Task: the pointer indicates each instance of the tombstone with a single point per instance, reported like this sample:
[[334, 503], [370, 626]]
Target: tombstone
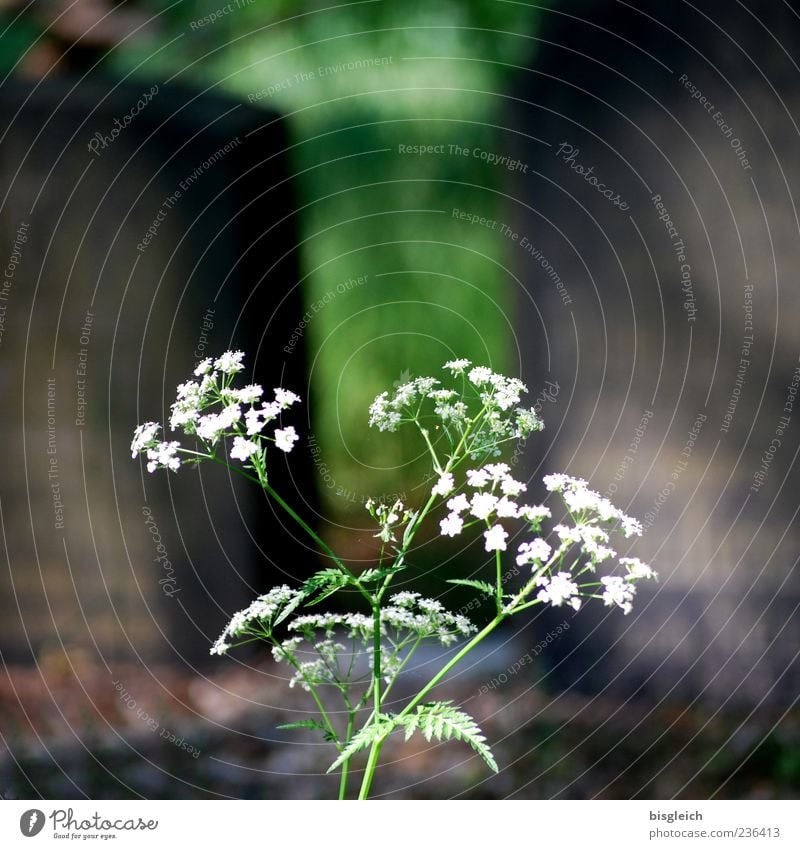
[[143, 227], [658, 244]]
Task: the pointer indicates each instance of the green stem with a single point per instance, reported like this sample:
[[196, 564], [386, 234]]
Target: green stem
[[374, 753], [499, 570], [376, 658], [369, 772], [346, 764]]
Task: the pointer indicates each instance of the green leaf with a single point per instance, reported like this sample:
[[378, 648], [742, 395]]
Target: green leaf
[[370, 576], [304, 723], [483, 586], [364, 738], [287, 611], [324, 583], [445, 722]]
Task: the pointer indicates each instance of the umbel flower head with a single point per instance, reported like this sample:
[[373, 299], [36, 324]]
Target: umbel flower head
[[212, 410], [475, 408]]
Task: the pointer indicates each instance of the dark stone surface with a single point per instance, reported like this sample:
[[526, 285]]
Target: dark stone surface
[[632, 337], [226, 244]]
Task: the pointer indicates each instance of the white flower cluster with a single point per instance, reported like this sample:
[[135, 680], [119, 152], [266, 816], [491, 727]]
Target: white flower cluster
[[493, 499], [584, 504], [211, 409], [424, 617], [595, 519], [258, 618], [407, 613], [325, 668], [486, 406]]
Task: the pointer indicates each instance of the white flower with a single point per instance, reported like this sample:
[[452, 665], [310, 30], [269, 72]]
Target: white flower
[[568, 534], [556, 483], [143, 436], [535, 551], [636, 569], [451, 525], [285, 438], [480, 375], [204, 367], [182, 416], [163, 455], [458, 504], [209, 427], [507, 509], [483, 503], [254, 422], [457, 366], [284, 398], [249, 394], [495, 538], [477, 477], [230, 362], [630, 526], [243, 448], [534, 514], [496, 471], [189, 390], [558, 589], [445, 485], [512, 487], [617, 591]]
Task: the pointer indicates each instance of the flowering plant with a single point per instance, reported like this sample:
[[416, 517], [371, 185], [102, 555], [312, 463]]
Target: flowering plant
[[464, 421]]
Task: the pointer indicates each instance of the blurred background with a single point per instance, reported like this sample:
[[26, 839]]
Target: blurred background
[[598, 196]]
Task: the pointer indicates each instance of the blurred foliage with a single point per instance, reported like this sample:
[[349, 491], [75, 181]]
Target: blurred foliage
[[356, 80]]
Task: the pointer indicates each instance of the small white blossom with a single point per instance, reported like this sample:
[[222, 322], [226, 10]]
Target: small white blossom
[[495, 538], [284, 398], [535, 551], [483, 504], [445, 485], [143, 437], [477, 477], [458, 504], [163, 455], [204, 367], [630, 526], [243, 448], [457, 366], [451, 525], [534, 514], [249, 394], [230, 362], [558, 589], [636, 569], [617, 591], [285, 438], [506, 509], [512, 487], [480, 375]]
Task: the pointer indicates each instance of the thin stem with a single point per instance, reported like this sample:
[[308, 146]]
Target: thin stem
[[374, 753], [369, 772], [376, 657], [292, 662], [346, 764], [499, 570]]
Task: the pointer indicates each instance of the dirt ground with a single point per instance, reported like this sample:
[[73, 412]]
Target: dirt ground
[[71, 729]]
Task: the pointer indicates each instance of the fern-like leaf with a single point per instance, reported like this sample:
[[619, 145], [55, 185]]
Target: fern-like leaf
[[311, 724], [483, 586], [445, 722], [324, 583], [362, 739]]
